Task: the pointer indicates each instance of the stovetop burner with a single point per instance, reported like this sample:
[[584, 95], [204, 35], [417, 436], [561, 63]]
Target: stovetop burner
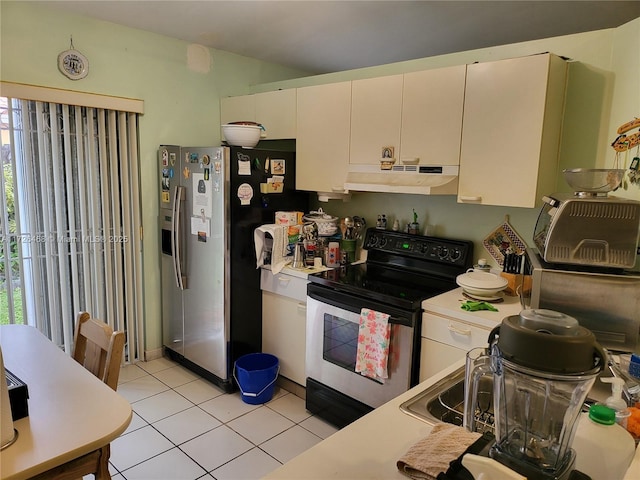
[[401, 269]]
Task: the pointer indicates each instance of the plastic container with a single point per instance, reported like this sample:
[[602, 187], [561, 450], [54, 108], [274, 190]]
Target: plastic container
[[604, 449], [333, 255], [256, 375]]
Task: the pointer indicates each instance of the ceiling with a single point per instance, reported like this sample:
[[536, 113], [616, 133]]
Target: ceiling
[[328, 36]]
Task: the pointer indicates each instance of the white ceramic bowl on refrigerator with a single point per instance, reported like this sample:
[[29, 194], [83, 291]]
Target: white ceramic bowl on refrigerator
[[246, 136]]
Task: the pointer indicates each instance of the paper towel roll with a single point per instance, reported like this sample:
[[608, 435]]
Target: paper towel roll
[[278, 233], [7, 433]]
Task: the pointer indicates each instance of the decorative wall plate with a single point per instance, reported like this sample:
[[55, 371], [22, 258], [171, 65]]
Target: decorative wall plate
[[73, 64]]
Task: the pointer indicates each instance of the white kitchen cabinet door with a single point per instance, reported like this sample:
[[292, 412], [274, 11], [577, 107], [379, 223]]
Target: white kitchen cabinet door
[[322, 144], [276, 111], [376, 112], [283, 334], [511, 130], [432, 103], [445, 340], [436, 356]]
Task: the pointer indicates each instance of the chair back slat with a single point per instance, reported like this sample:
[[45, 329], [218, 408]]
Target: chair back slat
[[98, 348]]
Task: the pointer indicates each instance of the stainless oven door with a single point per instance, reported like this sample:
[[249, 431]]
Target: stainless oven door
[[332, 339]]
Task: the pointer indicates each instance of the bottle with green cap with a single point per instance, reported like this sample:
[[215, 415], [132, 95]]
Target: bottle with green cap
[[604, 449]]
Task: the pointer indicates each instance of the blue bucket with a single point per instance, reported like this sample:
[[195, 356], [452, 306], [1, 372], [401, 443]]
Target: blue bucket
[[256, 376]]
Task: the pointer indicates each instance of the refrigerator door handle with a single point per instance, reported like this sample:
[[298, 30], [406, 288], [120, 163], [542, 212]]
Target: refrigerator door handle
[[176, 237]]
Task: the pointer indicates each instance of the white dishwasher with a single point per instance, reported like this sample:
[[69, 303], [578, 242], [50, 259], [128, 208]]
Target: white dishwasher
[[284, 307], [449, 332]]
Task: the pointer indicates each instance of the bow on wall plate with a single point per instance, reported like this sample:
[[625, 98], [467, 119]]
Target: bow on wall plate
[[73, 64], [624, 143]]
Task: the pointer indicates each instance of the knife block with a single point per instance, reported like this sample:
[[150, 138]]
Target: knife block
[[516, 280]]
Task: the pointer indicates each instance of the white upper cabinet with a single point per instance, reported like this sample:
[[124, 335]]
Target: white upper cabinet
[[376, 112], [432, 103], [322, 144], [419, 114], [276, 111], [511, 130]]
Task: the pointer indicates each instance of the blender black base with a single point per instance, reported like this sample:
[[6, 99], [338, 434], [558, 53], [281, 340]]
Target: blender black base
[[533, 472]]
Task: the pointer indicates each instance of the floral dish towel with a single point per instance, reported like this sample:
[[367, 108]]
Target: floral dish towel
[[372, 354]]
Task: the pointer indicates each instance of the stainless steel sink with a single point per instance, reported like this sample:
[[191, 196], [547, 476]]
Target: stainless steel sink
[[441, 402], [444, 402]]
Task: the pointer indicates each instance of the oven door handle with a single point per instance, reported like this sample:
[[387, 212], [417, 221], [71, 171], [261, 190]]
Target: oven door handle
[[351, 308]]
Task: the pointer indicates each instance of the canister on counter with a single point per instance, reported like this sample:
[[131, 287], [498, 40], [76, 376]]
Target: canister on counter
[[333, 255], [348, 246], [310, 248]]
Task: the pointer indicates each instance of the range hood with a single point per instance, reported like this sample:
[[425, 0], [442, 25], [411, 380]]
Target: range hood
[[414, 179]]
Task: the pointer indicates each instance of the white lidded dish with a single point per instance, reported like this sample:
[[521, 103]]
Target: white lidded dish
[[481, 283], [327, 224]]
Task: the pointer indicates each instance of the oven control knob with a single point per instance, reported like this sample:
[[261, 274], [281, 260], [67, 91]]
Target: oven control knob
[[373, 241], [455, 254], [443, 252], [383, 241]]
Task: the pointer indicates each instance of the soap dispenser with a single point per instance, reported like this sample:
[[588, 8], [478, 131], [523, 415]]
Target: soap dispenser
[[616, 402]]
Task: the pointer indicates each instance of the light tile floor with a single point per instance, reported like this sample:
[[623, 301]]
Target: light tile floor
[[184, 427]]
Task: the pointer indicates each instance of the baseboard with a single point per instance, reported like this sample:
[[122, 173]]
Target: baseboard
[[152, 354], [291, 386]]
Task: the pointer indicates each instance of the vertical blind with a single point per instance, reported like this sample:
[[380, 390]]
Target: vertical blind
[[77, 218]]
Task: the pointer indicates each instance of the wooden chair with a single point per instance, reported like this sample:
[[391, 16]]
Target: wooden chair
[[98, 348]]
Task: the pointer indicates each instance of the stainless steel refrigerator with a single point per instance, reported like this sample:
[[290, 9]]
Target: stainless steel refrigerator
[[211, 201]]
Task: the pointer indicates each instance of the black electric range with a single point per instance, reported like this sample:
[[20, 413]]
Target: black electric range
[[401, 270]]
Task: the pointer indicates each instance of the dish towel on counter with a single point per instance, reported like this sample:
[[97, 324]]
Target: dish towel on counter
[[372, 353], [475, 306], [278, 252], [433, 455]]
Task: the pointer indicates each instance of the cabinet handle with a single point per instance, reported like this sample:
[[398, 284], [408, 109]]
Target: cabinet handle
[[284, 280], [466, 198], [302, 307], [466, 332]]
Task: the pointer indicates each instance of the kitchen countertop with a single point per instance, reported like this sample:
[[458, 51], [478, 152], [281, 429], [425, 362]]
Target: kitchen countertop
[[304, 272], [449, 304], [366, 449], [369, 448], [298, 272]]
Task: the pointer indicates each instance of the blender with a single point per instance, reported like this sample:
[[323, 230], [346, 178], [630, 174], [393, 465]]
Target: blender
[[541, 364]]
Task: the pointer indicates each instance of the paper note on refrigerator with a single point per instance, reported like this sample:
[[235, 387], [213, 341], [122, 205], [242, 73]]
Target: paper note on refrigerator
[[200, 226], [202, 204]]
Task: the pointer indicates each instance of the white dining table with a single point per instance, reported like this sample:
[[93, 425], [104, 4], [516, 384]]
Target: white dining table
[[71, 412]]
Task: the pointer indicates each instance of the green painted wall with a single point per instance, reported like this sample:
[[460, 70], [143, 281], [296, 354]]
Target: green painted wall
[[181, 102]]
